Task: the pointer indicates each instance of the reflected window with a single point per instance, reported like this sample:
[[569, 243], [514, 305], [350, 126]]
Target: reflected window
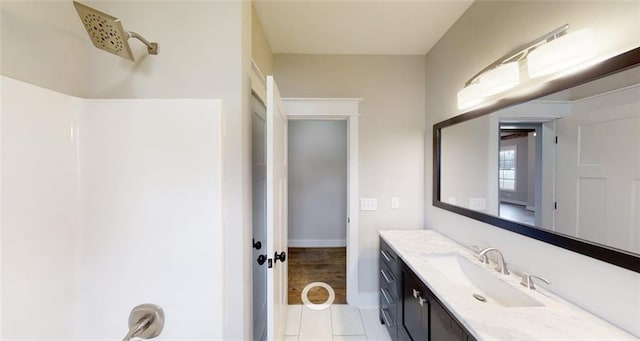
[[507, 168]]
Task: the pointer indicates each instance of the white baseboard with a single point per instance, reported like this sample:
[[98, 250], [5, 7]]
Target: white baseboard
[[516, 202], [317, 242], [365, 300]]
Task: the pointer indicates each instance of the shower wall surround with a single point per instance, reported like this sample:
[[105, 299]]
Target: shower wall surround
[[107, 204]]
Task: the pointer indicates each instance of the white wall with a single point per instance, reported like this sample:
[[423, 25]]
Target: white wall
[[390, 135], [469, 146], [44, 43], [151, 198], [478, 38], [39, 220], [205, 51], [108, 204], [260, 49], [317, 183]]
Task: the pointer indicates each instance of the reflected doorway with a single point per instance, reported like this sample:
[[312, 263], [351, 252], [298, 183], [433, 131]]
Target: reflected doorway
[[519, 172]]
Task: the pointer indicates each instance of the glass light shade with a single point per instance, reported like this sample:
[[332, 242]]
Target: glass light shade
[[500, 79], [469, 96], [561, 53]]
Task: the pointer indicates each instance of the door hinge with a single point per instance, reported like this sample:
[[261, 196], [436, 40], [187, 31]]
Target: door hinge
[[555, 205], [348, 220], [556, 139]]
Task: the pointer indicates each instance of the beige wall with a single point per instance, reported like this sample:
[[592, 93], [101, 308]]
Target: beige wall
[[485, 32], [260, 50], [390, 134]]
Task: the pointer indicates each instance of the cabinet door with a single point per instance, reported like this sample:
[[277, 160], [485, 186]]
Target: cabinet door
[[415, 308], [443, 326]]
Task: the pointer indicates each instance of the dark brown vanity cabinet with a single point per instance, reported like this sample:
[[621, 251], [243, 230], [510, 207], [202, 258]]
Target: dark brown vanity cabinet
[[424, 318], [408, 309], [390, 290], [415, 307]]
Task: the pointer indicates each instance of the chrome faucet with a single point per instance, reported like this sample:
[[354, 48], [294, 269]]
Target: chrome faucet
[[527, 280], [502, 265]]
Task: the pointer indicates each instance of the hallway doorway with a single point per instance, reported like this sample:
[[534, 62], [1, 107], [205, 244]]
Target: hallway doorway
[[318, 206]]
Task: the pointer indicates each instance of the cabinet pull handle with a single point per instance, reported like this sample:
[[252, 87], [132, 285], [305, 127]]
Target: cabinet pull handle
[[388, 258], [386, 319], [416, 293], [386, 278], [418, 296], [386, 297]]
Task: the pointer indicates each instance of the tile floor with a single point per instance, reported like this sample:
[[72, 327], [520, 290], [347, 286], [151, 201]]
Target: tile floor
[[340, 322]]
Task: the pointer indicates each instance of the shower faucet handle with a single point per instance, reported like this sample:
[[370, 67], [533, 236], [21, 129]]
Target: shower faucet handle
[[145, 322]]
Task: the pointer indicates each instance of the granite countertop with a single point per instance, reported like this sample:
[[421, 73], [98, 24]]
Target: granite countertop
[[558, 319]]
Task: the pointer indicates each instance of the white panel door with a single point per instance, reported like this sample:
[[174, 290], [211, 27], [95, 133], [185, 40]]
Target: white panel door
[[276, 214], [599, 170]]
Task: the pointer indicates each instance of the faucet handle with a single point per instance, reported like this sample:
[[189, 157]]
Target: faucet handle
[[482, 257], [527, 280]]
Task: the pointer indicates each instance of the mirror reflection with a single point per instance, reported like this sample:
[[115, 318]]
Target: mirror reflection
[[568, 162]]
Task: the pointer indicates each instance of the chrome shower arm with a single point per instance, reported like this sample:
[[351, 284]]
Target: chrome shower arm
[[152, 48]]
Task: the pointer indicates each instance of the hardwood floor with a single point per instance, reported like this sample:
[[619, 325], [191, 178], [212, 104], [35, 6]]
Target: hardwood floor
[[307, 265]]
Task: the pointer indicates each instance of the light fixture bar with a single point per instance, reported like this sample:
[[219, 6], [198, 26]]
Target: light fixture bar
[[522, 51]]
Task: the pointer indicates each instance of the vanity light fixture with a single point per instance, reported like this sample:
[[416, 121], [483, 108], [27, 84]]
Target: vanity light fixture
[[561, 54], [499, 79], [469, 96], [544, 56]]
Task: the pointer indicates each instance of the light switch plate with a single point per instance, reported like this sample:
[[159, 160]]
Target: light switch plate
[[368, 204], [395, 203]]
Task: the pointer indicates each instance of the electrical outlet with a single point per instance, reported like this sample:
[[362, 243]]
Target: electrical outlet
[[478, 204], [368, 204]]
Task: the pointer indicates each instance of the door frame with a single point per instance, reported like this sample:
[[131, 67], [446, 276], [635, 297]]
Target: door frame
[[343, 109]]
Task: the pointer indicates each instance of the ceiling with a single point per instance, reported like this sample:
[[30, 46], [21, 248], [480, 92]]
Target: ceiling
[[382, 27]]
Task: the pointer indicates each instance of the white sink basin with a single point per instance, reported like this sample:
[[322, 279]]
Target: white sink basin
[[478, 281]]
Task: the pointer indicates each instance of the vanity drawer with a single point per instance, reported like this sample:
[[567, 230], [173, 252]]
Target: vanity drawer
[[390, 322], [390, 289], [389, 281], [389, 293], [389, 258]]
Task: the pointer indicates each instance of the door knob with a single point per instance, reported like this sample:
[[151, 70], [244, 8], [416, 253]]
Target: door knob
[[257, 244], [261, 259], [282, 256]]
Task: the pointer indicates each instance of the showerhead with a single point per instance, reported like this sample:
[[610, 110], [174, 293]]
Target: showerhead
[[106, 32]]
